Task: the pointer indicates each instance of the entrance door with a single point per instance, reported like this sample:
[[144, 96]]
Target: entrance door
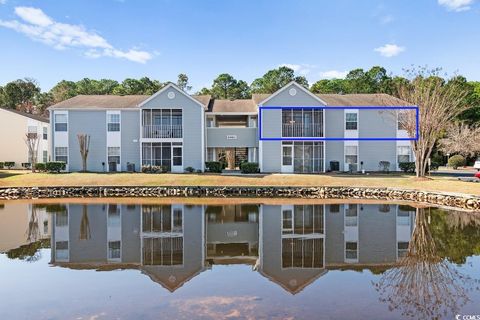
[[287, 158]]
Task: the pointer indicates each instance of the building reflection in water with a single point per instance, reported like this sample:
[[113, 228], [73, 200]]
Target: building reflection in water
[[292, 245]]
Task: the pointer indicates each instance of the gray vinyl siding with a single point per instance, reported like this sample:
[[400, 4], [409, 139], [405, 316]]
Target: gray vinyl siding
[[246, 137], [131, 246], [193, 114], [376, 124], [130, 131], [92, 123], [334, 127]]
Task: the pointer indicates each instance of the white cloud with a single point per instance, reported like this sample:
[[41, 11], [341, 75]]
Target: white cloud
[[389, 50], [387, 19], [333, 74], [39, 27], [301, 69], [456, 5]]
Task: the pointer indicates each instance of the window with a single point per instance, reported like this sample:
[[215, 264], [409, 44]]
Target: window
[[45, 133], [351, 154], [157, 154], [402, 121], [45, 156], [403, 154], [287, 221], [61, 154], [351, 250], [287, 155], [351, 121], [210, 122], [210, 154], [351, 215], [113, 122], [253, 122], [177, 154], [114, 249], [300, 122], [334, 208], [61, 122], [114, 155]]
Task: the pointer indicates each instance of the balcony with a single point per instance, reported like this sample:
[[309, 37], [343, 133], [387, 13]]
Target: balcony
[[162, 132], [301, 130]]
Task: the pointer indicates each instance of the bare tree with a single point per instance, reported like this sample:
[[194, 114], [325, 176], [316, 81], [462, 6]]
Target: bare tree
[[462, 139], [424, 285], [230, 155], [32, 141], [439, 102], [85, 225], [84, 142]]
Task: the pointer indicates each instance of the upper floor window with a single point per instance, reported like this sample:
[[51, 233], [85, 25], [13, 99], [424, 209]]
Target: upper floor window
[[45, 133], [113, 122], [162, 123], [402, 121], [351, 121], [210, 122], [61, 122], [32, 129]]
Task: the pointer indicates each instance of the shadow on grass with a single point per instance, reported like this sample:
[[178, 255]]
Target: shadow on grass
[[4, 174]]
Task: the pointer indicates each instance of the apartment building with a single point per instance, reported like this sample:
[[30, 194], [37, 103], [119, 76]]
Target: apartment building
[[289, 131]]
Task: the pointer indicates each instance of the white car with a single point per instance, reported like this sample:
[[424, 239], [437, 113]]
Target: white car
[[477, 164]]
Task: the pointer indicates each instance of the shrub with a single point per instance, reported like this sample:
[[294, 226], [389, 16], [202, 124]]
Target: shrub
[[456, 161], [199, 171], [384, 166], [249, 167], [40, 166], [407, 166], [154, 169], [26, 165], [9, 164], [55, 166], [1, 165], [190, 169], [214, 166]]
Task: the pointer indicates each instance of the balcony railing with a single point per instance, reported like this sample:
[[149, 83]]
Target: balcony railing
[[161, 132], [301, 130]]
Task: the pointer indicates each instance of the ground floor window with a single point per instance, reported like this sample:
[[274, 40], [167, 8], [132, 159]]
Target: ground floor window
[[114, 155], [351, 157], [45, 156], [165, 154], [305, 156], [403, 154], [61, 154], [210, 154]]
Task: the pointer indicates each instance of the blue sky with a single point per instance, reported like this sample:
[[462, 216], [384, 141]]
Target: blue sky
[[53, 40]]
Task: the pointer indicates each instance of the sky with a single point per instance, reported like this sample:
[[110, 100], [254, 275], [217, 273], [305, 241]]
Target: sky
[[52, 40]]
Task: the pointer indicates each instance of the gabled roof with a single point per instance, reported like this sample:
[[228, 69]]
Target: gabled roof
[[362, 99], [28, 115], [239, 105], [302, 88], [101, 102], [169, 86]]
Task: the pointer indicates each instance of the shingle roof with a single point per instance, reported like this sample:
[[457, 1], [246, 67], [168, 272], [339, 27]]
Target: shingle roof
[[362, 99], [29, 115], [112, 101], [240, 105]]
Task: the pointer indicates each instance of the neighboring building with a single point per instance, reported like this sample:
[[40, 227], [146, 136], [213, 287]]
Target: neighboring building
[[176, 130], [14, 125], [291, 245]]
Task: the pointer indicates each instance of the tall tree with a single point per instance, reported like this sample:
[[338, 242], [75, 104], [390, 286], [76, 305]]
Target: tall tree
[[337, 86], [275, 79], [461, 139], [225, 86], [182, 82], [439, 103], [19, 94], [63, 90]]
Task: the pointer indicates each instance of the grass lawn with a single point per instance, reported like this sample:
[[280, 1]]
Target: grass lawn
[[25, 178]]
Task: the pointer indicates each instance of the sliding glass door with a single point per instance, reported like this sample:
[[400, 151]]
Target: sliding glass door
[[308, 156]]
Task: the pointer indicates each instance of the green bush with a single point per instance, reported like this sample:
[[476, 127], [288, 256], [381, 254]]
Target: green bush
[[249, 167], [55, 166], [154, 169], [9, 164], [214, 166], [26, 165], [384, 166], [1, 165], [190, 169], [40, 166], [407, 166], [456, 161]]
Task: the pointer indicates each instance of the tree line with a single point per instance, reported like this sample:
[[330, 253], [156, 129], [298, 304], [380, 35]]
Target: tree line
[[26, 95]]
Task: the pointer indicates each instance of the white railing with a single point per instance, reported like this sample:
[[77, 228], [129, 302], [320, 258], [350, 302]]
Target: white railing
[[301, 130], [160, 132]]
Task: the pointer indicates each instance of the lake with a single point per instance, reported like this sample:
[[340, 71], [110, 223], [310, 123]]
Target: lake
[[236, 259]]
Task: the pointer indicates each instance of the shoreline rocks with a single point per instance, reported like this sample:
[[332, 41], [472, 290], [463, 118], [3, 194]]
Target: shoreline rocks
[[462, 201]]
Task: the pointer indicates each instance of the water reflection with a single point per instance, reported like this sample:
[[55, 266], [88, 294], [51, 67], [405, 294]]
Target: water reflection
[[415, 251], [292, 245]]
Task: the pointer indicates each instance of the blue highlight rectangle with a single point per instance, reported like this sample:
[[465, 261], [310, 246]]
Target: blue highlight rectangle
[[417, 119]]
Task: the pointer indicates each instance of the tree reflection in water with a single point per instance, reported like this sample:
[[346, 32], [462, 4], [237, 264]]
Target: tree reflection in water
[[424, 285]]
